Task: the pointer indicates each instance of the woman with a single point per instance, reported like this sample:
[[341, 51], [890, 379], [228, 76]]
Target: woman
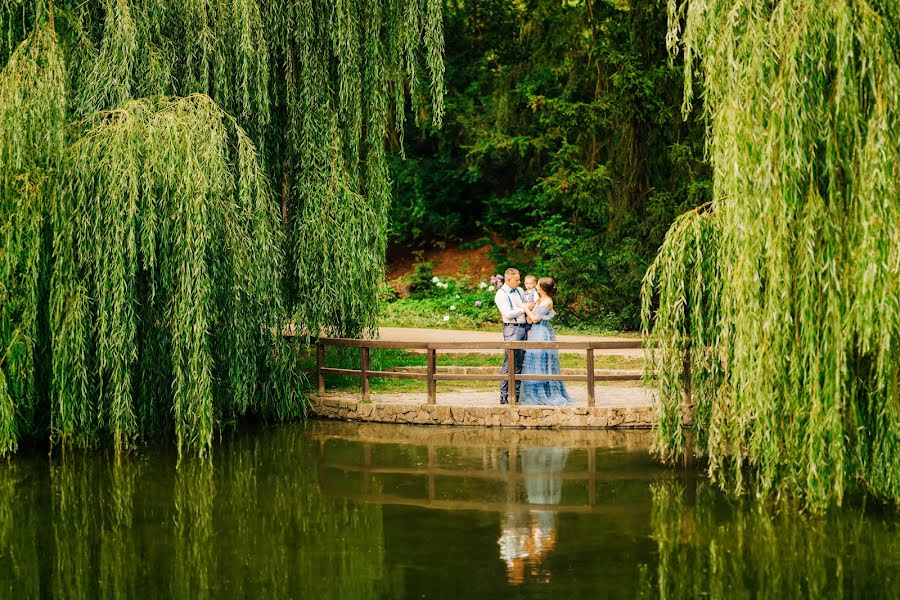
[[543, 362]]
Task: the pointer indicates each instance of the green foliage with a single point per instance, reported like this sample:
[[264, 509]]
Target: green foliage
[[32, 112], [680, 299], [198, 244], [562, 138], [337, 172], [431, 200], [421, 282], [142, 270], [787, 288]]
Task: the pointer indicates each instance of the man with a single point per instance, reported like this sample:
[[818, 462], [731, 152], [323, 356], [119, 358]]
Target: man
[[510, 301]]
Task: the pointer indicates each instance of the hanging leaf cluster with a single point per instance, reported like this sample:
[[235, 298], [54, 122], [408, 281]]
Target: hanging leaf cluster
[[165, 296], [179, 180], [788, 287], [32, 117]]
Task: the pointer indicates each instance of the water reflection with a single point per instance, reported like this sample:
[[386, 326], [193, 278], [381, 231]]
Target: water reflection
[[528, 536], [584, 512], [342, 510], [251, 523], [524, 478], [711, 548]]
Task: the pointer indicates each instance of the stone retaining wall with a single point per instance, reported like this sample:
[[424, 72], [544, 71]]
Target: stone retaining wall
[[600, 417]]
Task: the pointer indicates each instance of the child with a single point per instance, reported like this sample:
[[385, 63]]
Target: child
[[531, 295]]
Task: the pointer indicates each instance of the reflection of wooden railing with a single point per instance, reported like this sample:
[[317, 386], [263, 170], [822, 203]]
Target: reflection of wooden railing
[[472, 438], [431, 376], [431, 472]]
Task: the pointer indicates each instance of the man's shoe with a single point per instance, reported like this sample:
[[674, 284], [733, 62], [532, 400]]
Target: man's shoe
[[504, 401]]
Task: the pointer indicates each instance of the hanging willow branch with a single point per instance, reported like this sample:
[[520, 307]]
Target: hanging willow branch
[[684, 279], [164, 202], [342, 57], [803, 100], [296, 75], [141, 265], [32, 113]]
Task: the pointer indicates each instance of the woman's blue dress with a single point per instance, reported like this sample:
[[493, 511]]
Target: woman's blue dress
[[542, 362]]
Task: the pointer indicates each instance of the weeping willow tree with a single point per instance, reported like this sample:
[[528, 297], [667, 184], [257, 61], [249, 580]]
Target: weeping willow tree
[[785, 292], [146, 263]]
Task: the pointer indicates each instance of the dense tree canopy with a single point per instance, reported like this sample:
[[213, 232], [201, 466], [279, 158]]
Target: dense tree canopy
[[564, 138], [787, 286], [144, 146]]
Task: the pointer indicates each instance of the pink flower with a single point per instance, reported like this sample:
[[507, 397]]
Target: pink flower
[[478, 303]]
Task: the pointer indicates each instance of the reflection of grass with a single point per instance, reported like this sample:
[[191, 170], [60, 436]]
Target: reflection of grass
[[383, 360]]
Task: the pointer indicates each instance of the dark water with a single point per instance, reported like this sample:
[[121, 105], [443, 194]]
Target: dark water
[[340, 510]]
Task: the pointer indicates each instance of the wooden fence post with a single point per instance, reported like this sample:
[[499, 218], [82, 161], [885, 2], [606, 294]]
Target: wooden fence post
[[511, 386], [320, 364], [590, 377], [364, 372], [430, 369]]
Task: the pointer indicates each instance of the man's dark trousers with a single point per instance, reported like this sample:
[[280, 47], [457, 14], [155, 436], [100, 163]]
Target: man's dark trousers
[[512, 333]]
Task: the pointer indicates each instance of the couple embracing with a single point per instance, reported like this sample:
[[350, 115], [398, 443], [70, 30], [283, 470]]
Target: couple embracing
[[526, 315]]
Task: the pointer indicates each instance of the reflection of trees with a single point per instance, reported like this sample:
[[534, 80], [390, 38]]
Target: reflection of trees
[[251, 523], [709, 549], [527, 537], [91, 513], [194, 555], [19, 533]]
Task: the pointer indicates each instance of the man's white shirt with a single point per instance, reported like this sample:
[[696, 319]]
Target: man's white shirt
[[510, 303]]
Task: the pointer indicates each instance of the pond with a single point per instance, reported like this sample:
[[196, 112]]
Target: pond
[[351, 510]]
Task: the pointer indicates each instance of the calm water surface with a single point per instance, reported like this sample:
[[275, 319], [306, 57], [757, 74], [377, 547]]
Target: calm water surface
[[343, 510]]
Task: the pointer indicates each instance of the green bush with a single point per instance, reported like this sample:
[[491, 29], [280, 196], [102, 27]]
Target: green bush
[[421, 280]]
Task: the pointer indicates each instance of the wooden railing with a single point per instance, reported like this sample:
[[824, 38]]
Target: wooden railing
[[435, 474], [431, 376]]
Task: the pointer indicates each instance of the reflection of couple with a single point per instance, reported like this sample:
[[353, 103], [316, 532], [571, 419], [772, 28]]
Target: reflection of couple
[[526, 315], [527, 538]]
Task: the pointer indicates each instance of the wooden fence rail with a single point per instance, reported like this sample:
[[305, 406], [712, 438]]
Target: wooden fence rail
[[431, 376]]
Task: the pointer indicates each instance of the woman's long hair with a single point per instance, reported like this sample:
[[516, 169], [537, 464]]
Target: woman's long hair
[[548, 284]]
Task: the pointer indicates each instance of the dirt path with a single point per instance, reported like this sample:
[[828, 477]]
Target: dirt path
[[410, 334]]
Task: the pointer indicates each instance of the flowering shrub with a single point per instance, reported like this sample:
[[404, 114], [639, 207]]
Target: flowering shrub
[[444, 302]]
